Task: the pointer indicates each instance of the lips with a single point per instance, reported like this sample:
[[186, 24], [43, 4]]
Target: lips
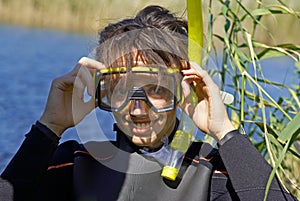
[[142, 128], [142, 125]]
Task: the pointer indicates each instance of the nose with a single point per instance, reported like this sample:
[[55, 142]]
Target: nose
[[138, 108]]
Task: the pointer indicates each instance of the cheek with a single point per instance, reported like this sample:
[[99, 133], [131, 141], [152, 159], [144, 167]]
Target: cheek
[[120, 118], [117, 116], [166, 123], [171, 120]]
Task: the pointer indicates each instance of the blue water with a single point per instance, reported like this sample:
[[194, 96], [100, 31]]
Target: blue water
[[31, 58]]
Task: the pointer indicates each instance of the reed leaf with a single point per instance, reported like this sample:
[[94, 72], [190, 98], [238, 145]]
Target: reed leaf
[[292, 130], [241, 50], [195, 34]]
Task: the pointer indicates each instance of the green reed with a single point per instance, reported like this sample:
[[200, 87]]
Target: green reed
[[272, 123]]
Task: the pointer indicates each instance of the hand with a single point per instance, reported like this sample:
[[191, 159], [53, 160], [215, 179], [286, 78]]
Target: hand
[[65, 106], [209, 113]]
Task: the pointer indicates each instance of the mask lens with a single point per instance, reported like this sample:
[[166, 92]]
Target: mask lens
[[159, 90], [113, 93], [160, 97]]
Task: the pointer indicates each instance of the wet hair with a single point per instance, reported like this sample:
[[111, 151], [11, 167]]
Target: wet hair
[[154, 37]]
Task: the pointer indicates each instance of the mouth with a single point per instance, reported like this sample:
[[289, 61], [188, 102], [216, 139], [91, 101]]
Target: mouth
[[142, 128]]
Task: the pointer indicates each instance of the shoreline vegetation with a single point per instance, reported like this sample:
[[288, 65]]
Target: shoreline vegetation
[[89, 16], [80, 16]]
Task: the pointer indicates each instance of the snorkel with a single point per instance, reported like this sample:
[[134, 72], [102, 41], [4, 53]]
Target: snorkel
[[186, 129], [182, 139]]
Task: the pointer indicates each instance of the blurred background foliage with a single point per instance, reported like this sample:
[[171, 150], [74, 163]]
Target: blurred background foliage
[[83, 16], [239, 34], [88, 16]]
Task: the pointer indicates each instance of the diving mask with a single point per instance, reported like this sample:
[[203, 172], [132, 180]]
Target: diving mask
[[158, 87]]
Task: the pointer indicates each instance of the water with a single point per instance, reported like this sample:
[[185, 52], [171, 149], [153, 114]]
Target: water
[[30, 59]]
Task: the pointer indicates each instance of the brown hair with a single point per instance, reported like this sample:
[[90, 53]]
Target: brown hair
[[154, 36]]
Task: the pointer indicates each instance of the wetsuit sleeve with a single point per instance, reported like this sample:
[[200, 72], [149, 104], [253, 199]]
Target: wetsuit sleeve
[[248, 170], [31, 161], [6, 190]]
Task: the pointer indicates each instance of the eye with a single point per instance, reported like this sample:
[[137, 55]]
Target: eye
[[155, 91], [158, 90]]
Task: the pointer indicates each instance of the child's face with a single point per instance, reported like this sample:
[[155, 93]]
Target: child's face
[[143, 103], [144, 126]]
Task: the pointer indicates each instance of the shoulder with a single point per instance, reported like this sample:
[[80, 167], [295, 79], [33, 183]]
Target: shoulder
[[64, 155], [67, 151]]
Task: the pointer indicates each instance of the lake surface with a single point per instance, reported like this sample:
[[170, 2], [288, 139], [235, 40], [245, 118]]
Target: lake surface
[[31, 58]]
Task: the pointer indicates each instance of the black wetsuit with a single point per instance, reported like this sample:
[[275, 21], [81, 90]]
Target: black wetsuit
[[109, 171]]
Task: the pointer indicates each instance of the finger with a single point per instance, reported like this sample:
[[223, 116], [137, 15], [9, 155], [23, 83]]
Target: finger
[[186, 90], [187, 107], [196, 84], [78, 90], [80, 109], [190, 71], [91, 64], [227, 98], [192, 95], [87, 79], [198, 71], [90, 67], [64, 83], [203, 74], [196, 80], [193, 77], [203, 80]]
